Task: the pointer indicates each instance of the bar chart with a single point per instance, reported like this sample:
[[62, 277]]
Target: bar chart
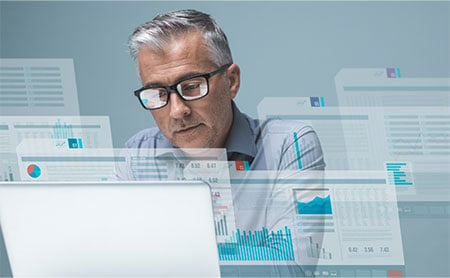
[[62, 131], [314, 250], [260, 245], [7, 174], [223, 211], [399, 173], [220, 226]]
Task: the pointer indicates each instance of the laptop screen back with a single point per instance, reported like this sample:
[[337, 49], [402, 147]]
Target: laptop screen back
[[109, 229]]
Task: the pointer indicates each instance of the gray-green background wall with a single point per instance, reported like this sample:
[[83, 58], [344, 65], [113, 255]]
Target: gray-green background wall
[[283, 48]]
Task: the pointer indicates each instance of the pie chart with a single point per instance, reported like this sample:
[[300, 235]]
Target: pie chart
[[33, 171]]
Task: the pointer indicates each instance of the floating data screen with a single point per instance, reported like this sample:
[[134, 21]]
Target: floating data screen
[[38, 87], [386, 87], [410, 143], [59, 163], [74, 132], [333, 220], [55, 163], [124, 164], [261, 218]]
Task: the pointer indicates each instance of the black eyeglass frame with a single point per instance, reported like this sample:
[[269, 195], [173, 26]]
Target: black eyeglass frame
[[173, 87]]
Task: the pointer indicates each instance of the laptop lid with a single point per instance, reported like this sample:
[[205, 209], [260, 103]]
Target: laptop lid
[[109, 229]]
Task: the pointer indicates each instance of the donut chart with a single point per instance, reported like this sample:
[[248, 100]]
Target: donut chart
[[34, 171]]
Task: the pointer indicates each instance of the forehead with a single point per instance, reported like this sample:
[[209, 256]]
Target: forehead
[[183, 52]]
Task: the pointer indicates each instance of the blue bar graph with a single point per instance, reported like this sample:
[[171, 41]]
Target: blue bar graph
[[259, 245], [399, 173], [62, 131]]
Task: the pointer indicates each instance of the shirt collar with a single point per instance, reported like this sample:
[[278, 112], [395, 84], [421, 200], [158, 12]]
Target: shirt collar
[[241, 138]]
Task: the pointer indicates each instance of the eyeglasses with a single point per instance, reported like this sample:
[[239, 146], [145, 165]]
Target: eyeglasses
[[190, 88]]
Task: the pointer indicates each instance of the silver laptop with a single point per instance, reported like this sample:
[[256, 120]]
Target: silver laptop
[[109, 229]]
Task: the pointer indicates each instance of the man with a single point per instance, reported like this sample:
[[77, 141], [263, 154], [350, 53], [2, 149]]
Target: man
[[189, 83]]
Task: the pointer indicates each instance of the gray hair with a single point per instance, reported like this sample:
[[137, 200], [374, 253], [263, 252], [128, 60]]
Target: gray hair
[[160, 31]]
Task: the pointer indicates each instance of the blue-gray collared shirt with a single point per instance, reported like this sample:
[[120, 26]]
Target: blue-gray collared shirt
[[266, 145]]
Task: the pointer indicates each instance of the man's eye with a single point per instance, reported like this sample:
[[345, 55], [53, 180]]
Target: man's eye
[[192, 86], [162, 94]]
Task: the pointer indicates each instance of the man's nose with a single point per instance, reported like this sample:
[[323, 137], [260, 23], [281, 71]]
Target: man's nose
[[178, 108]]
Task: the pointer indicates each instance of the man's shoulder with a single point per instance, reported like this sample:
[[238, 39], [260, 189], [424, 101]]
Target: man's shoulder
[[276, 125], [290, 144], [148, 138], [282, 126]]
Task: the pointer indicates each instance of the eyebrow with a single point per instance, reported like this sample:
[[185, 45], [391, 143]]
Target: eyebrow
[[183, 77]]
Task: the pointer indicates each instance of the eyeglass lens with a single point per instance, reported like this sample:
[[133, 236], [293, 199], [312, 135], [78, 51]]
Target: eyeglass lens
[[190, 89]]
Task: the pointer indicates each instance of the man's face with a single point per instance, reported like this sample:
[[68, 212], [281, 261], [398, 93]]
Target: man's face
[[202, 123]]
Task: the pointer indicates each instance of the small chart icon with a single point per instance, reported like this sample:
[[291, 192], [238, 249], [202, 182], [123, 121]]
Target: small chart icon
[[33, 171]]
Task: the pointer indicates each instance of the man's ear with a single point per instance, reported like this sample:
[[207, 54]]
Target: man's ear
[[234, 78]]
